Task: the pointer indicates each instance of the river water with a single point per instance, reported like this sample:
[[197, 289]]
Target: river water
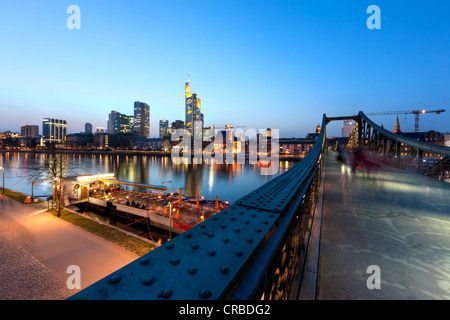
[[228, 181]]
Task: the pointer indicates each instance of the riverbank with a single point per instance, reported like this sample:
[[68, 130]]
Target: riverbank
[[39, 252], [109, 233], [121, 152]]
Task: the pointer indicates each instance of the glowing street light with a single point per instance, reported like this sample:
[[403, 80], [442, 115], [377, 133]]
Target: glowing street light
[[3, 168]]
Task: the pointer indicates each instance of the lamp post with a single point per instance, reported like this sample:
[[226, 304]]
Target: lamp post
[[32, 190], [3, 168]]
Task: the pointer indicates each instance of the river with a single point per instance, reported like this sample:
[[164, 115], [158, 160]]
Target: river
[[228, 181]]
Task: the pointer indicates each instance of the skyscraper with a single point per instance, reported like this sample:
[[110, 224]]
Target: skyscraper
[[120, 123], [163, 126], [142, 119], [88, 127], [54, 130], [193, 111]]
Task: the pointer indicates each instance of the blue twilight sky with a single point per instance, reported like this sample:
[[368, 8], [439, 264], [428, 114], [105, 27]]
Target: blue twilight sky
[[254, 63]]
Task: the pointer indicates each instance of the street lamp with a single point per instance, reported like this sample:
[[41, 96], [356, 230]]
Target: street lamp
[[3, 168]]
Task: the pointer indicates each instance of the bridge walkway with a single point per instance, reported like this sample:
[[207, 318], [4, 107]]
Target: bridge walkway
[[393, 219]]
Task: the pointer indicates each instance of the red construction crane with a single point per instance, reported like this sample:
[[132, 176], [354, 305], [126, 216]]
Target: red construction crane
[[415, 112]]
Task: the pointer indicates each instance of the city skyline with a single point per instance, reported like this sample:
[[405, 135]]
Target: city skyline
[[285, 72]]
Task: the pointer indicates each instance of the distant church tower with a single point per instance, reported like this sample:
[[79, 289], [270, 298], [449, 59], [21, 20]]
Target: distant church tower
[[397, 127]]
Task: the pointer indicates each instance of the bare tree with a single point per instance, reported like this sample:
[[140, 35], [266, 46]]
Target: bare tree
[[55, 169]]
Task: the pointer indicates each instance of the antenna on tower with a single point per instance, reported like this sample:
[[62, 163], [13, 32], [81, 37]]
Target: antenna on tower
[[189, 77]]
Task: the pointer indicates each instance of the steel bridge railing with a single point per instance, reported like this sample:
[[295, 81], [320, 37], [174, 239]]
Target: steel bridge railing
[[255, 249], [389, 145]]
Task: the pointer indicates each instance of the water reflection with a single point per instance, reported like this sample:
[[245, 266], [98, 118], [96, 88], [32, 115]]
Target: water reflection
[[228, 181]]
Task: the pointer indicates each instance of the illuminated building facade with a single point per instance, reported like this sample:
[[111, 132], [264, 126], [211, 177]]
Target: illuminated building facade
[[120, 123], [163, 127], [142, 119], [54, 130], [194, 118]]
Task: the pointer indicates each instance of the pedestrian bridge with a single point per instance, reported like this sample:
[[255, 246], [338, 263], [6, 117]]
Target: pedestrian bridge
[[318, 231]]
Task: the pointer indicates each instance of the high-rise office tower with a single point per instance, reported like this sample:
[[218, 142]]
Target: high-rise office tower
[[120, 123], [88, 127], [54, 130], [193, 111], [163, 126], [142, 119]]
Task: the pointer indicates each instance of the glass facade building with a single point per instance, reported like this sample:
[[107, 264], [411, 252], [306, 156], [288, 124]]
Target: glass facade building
[[54, 130]]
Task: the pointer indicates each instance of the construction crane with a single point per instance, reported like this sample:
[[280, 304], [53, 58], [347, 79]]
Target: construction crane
[[415, 112]]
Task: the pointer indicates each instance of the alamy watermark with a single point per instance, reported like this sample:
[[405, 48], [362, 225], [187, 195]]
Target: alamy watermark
[[374, 21], [74, 20], [374, 280], [74, 280], [231, 146]]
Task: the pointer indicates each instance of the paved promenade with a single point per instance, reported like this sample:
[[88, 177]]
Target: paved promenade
[[392, 219], [36, 249]]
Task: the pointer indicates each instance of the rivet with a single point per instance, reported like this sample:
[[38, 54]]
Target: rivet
[[170, 246], [247, 222], [211, 253], [210, 235], [233, 219], [148, 281], [223, 226], [237, 230], [205, 293], [224, 270], [215, 219], [250, 240], [239, 253], [203, 226], [266, 222], [195, 246], [226, 240], [258, 230], [188, 235], [114, 279], [145, 260], [166, 293], [174, 261], [192, 270]]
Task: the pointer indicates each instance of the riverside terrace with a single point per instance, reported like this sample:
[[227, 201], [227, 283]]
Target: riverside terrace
[[171, 211]]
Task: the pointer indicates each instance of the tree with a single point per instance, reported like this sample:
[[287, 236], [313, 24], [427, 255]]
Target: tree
[[55, 169]]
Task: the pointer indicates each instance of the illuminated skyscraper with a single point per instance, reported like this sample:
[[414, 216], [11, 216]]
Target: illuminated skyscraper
[[193, 111], [163, 126], [120, 123], [142, 119]]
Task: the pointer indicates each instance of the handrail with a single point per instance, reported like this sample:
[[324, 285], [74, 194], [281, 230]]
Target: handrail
[[429, 147]]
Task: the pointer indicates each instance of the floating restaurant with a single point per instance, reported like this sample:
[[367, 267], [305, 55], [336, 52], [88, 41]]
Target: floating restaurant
[[140, 203]]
